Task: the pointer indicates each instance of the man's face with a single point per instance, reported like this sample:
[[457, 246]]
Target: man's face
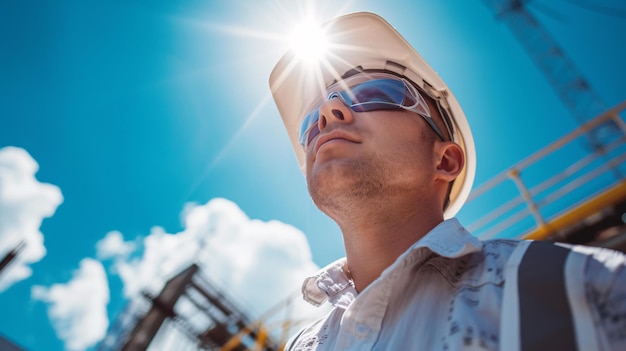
[[360, 155]]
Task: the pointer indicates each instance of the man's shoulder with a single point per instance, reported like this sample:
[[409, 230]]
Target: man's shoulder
[[494, 252], [484, 266], [502, 246], [550, 285]]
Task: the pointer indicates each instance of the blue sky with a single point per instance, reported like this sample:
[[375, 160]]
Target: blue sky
[[135, 111]]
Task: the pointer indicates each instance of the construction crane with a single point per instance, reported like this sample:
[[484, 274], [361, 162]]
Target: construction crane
[[569, 83], [585, 202]]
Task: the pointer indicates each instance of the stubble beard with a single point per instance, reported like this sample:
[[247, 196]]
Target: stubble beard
[[342, 190]]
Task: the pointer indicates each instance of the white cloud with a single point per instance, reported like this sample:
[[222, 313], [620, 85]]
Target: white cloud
[[257, 264], [24, 203], [78, 309], [113, 246]]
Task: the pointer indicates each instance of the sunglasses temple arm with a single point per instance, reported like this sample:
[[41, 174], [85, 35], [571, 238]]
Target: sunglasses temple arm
[[446, 119]]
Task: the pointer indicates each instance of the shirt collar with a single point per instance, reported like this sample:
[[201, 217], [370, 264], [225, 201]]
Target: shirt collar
[[448, 239]]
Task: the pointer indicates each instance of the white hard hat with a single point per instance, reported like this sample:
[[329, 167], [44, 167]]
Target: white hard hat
[[366, 41]]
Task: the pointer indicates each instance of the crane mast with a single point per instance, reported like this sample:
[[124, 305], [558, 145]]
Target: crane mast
[[571, 86]]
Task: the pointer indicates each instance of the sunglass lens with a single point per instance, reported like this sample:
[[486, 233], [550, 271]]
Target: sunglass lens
[[379, 91], [309, 120], [313, 132]]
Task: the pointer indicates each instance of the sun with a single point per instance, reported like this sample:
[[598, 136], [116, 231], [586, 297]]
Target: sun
[[309, 41]]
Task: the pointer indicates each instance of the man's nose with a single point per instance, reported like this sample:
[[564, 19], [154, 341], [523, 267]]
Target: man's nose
[[334, 111]]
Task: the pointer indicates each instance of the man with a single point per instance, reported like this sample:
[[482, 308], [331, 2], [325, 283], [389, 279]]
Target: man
[[388, 155]]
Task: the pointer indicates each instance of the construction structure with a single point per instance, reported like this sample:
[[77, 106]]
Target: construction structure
[[8, 345], [5, 263], [564, 192], [11, 255], [189, 313]]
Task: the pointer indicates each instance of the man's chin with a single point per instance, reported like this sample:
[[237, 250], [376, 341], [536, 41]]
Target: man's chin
[[344, 184]]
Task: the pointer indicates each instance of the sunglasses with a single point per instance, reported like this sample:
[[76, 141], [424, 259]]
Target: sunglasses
[[380, 91]]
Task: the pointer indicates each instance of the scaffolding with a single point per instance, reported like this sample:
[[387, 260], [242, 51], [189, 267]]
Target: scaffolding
[[189, 313], [561, 193]]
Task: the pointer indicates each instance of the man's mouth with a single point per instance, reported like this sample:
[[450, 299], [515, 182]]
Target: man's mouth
[[337, 135]]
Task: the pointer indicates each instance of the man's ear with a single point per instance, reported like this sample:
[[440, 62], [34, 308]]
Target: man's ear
[[451, 161]]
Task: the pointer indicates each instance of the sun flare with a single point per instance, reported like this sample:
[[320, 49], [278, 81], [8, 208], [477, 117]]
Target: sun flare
[[309, 41]]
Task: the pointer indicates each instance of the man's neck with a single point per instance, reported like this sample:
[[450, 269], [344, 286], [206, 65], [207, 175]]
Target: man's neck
[[374, 240]]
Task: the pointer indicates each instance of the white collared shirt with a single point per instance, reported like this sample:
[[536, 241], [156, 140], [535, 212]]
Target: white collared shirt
[[446, 293]]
